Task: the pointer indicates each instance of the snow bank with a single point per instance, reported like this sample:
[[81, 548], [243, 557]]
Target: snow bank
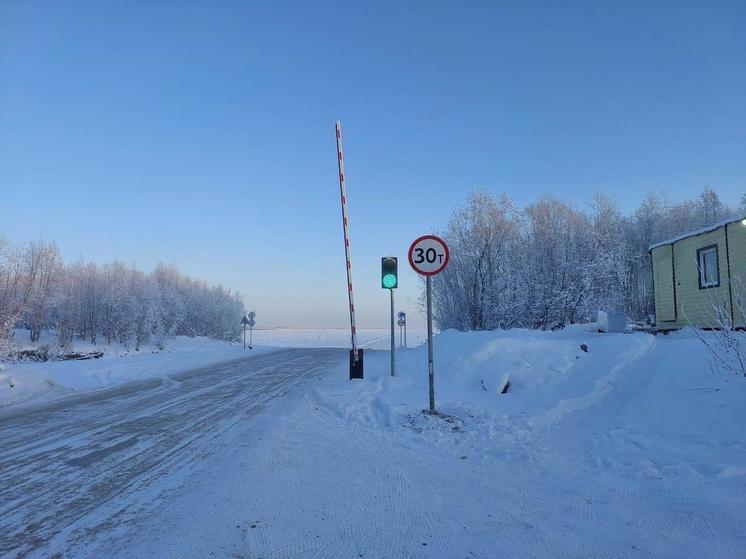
[[26, 382], [544, 367]]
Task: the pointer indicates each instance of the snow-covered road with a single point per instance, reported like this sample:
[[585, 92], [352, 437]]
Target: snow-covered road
[[91, 463]]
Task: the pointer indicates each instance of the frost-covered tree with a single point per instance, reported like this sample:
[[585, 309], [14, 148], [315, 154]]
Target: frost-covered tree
[[710, 209], [606, 269], [478, 290], [43, 287], [113, 303], [554, 248]]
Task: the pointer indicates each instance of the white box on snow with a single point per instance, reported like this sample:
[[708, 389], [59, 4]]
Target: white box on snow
[[612, 321]]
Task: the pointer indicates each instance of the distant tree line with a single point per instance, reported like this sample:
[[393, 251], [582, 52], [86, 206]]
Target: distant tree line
[[551, 264], [111, 304]]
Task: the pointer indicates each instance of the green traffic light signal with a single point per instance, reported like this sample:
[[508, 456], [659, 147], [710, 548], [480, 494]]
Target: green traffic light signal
[[389, 272]]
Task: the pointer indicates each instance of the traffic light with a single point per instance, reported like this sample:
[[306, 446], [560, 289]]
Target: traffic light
[[389, 272]]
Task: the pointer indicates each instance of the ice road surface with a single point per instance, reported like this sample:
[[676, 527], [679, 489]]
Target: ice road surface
[[633, 449]]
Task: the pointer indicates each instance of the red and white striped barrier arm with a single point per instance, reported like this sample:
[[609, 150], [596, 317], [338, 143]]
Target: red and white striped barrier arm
[[345, 227]]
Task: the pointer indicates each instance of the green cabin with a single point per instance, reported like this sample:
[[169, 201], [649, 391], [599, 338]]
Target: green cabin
[[701, 275]]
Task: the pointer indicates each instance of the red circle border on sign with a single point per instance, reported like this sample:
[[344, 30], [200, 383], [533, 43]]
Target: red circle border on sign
[[435, 238]]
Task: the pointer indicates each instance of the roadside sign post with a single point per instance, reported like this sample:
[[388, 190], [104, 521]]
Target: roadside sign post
[[244, 322], [429, 256], [430, 365], [402, 322], [252, 323], [393, 342]]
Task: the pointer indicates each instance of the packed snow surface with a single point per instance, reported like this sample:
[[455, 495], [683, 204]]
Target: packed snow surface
[[633, 448]]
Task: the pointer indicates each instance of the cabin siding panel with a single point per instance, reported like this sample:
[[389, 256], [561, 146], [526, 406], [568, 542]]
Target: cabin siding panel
[[737, 247], [695, 306], [663, 282]]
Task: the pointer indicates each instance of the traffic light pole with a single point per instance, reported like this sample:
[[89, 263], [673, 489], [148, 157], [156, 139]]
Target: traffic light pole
[[390, 281], [393, 342]]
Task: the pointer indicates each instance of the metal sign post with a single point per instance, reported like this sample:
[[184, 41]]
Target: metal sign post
[[393, 342], [429, 256], [252, 323], [356, 361], [244, 322], [430, 366], [402, 322]]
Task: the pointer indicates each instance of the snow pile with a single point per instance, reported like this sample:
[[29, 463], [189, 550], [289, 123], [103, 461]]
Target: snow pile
[[549, 373]]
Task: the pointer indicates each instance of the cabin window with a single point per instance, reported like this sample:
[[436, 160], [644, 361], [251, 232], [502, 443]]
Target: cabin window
[[709, 273]]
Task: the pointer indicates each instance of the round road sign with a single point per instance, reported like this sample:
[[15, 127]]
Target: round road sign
[[252, 315], [401, 322], [428, 255], [402, 315]]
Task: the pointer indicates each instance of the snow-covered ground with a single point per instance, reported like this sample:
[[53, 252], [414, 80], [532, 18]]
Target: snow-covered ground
[[635, 448], [33, 382]]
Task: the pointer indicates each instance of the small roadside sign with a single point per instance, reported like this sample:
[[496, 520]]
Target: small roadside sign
[[429, 255], [402, 322], [244, 322], [250, 322]]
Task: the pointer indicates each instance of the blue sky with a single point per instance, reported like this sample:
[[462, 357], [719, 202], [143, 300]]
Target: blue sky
[[202, 133]]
